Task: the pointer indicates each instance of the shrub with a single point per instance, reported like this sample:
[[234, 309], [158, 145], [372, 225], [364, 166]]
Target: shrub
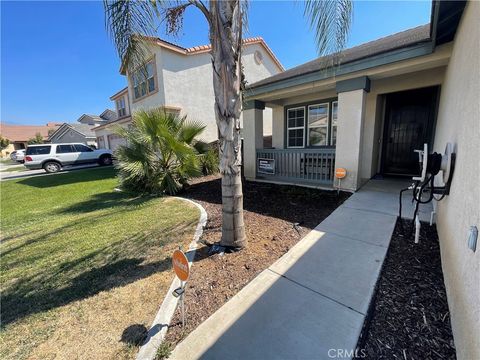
[[209, 160], [161, 152]]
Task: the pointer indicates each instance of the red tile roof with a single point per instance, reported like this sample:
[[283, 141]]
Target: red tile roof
[[23, 133], [206, 48]]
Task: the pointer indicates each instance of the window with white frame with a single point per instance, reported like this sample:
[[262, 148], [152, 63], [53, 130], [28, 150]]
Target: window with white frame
[[312, 125], [318, 124], [296, 127], [334, 123], [121, 107], [144, 80]]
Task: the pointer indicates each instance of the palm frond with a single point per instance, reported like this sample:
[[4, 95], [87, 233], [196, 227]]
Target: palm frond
[[127, 22], [190, 130], [330, 20], [160, 154]]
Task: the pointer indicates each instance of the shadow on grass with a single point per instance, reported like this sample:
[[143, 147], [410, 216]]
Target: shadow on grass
[[134, 335], [17, 305], [78, 208], [71, 177], [113, 265], [106, 200]]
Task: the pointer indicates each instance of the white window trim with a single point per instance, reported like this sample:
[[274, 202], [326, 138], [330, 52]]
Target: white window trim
[[297, 128], [331, 124], [124, 108], [154, 77], [327, 126]]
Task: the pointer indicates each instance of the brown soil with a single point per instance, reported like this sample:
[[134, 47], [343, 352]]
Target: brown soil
[[276, 218], [410, 317]]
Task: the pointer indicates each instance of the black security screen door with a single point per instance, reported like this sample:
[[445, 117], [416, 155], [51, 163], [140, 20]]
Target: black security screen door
[[409, 119]]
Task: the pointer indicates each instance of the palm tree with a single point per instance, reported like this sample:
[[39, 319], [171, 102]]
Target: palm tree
[[161, 152], [226, 19]]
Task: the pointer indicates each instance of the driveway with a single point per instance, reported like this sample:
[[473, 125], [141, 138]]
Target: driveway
[[10, 175]]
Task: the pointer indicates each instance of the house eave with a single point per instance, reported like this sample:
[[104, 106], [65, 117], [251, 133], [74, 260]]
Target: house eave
[[406, 53]]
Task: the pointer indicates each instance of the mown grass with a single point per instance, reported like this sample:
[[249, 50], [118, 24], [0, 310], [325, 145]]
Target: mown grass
[[70, 237]]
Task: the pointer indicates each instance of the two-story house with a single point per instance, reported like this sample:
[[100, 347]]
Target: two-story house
[[180, 80], [82, 130]]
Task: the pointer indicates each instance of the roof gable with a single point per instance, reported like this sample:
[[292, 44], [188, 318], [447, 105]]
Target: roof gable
[[108, 114], [202, 49], [82, 129]]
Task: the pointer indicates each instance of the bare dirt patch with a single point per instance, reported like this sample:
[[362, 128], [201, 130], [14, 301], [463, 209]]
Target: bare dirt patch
[[276, 218]]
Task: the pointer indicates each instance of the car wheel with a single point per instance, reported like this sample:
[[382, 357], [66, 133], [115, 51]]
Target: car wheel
[[52, 167], [105, 160]]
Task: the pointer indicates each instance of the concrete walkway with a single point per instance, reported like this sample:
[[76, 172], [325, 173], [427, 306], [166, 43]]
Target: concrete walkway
[[314, 299]]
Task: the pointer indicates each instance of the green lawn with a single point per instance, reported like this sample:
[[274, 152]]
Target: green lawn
[[69, 239]]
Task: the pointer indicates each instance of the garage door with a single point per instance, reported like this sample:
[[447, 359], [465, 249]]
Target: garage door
[[114, 141]]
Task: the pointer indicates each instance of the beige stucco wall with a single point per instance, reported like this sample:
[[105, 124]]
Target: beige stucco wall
[[186, 82], [459, 123]]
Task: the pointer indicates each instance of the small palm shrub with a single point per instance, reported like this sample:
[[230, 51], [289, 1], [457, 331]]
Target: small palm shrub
[[161, 153], [209, 160]]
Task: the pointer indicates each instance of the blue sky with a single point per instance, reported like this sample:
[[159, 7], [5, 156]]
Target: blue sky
[[57, 61]]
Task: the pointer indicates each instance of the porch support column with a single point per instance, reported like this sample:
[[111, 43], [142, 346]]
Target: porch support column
[[252, 135], [278, 127], [351, 115]]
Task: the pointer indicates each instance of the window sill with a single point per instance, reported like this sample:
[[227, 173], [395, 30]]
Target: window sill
[[144, 96]]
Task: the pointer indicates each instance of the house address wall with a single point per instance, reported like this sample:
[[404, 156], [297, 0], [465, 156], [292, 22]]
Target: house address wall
[[459, 123]]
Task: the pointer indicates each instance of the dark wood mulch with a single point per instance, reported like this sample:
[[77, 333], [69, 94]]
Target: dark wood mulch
[[410, 317], [276, 218]]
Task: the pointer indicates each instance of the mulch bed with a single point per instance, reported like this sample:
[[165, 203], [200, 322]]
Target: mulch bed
[[276, 218], [410, 317]]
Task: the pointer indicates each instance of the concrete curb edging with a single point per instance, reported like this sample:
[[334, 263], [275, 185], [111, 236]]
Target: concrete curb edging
[[160, 324]]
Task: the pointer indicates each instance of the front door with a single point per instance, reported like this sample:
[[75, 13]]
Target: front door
[[409, 119]]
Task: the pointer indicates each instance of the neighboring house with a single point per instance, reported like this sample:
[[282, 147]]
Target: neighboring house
[[367, 114], [82, 130], [18, 135], [94, 120], [105, 133], [74, 133], [180, 80]]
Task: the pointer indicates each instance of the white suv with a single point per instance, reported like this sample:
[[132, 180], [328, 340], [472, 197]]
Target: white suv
[[52, 157]]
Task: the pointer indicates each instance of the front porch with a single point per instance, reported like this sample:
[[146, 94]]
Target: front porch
[[364, 125], [312, 167]]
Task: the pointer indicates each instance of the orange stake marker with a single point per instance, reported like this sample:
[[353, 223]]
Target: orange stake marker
[[340, 173], [180, 265]]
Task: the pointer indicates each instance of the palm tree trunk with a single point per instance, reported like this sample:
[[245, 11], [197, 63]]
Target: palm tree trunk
[[226, 40]]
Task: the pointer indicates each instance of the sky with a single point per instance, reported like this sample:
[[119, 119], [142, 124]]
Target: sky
[[58, 62]]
